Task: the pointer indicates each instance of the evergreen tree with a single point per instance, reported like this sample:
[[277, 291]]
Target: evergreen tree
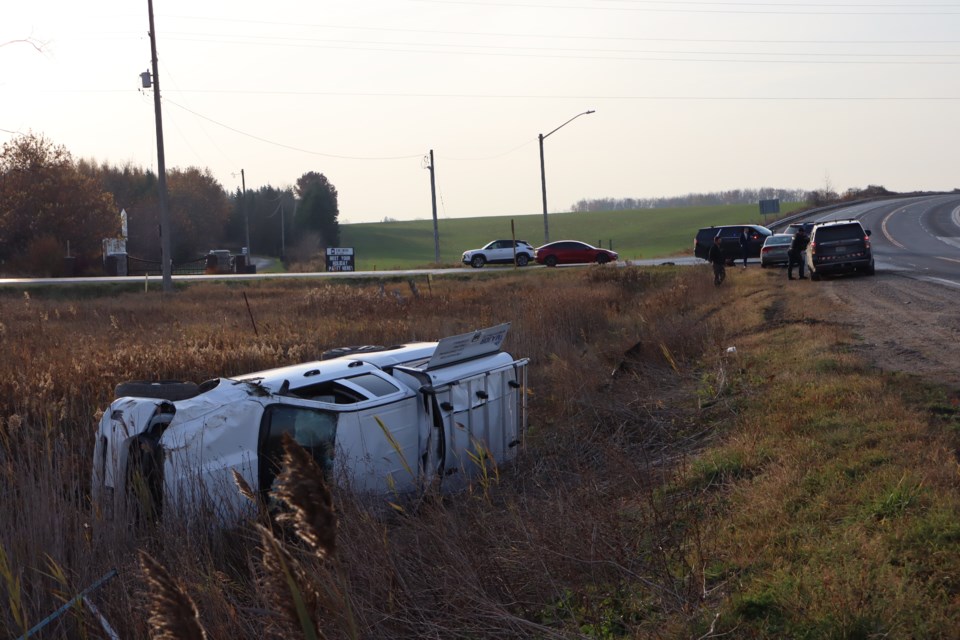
[[317, 209]]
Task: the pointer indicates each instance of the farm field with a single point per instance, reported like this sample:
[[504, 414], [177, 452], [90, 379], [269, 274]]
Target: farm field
[[668, 487], [647, 233]]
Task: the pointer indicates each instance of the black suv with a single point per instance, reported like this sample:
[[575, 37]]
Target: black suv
[[730, 240], [839, 246]]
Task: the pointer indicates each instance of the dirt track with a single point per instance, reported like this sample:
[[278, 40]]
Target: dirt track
[[907, 325]]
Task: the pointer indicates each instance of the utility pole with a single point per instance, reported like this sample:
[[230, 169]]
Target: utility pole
[[246, 216], [433, 196], [166, 260]]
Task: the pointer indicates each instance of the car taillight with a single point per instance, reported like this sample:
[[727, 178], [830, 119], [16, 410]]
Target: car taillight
[[813, 247], [866, 241]]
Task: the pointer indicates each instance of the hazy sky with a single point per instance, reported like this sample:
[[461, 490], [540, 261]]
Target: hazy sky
[[689, 96]]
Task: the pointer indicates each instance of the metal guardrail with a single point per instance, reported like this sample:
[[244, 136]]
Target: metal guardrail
[[66, 606]]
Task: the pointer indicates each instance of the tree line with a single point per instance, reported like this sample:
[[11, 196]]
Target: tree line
[[52, 205], [815, 198], [712, 199]]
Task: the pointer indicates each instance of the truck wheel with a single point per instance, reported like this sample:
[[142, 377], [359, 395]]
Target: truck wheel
[[172, 390]]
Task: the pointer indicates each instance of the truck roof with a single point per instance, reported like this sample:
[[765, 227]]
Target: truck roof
[[413, 354]]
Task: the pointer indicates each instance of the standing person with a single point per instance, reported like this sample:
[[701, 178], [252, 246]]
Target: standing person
[[795, 254], [715, 256], [745, 245]]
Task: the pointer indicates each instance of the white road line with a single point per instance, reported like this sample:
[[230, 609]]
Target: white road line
[[953, 242], [949, 283], [883, 228]]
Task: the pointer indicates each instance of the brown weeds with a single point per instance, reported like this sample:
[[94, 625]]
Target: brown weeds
[[577, 534]]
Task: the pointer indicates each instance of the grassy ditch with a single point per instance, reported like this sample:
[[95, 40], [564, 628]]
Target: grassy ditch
[[832, 498], [669, 487]]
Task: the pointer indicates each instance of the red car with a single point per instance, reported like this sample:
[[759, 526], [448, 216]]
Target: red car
[[572, 252]]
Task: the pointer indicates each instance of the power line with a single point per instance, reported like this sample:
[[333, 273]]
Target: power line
[[673, 9], [496, 34], [657, 56], [286, 146], [334, 44], [518, 96]]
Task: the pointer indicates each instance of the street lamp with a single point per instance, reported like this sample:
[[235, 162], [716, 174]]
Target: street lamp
[[543, 177]]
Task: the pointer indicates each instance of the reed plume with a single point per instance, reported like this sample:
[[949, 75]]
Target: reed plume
[[302, 487], [173, 614]]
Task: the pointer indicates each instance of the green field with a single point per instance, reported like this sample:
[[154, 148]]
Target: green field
[[638, 234]]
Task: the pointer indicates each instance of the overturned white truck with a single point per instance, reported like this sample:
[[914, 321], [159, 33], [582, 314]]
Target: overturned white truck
[[379, 420]]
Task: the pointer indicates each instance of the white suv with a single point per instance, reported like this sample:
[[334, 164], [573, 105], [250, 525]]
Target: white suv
[[500, 252]]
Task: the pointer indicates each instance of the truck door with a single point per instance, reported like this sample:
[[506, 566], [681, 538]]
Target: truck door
[[482, 419]]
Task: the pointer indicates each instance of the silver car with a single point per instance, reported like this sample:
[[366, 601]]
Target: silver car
[[775, 248]]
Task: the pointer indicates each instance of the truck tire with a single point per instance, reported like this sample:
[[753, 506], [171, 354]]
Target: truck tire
[[172, 390]]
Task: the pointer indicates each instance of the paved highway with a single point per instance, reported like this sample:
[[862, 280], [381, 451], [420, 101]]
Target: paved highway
[[916, 237]]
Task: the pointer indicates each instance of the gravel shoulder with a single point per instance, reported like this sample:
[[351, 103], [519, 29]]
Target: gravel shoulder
[[907, 325]]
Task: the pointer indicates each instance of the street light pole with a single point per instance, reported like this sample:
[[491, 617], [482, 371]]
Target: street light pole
[[543, 175]]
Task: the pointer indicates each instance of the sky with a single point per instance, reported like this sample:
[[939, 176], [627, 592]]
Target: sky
[[689, 97]]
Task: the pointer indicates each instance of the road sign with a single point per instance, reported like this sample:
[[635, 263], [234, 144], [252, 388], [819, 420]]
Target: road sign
[[770, 206], [340, 259]]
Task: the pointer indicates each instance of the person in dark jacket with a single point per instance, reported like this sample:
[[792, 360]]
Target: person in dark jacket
[[715, 256], [745, 245], [795, 254]]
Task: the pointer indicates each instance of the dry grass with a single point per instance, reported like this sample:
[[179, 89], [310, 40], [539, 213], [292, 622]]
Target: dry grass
[[501, 562], [592, 533]]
